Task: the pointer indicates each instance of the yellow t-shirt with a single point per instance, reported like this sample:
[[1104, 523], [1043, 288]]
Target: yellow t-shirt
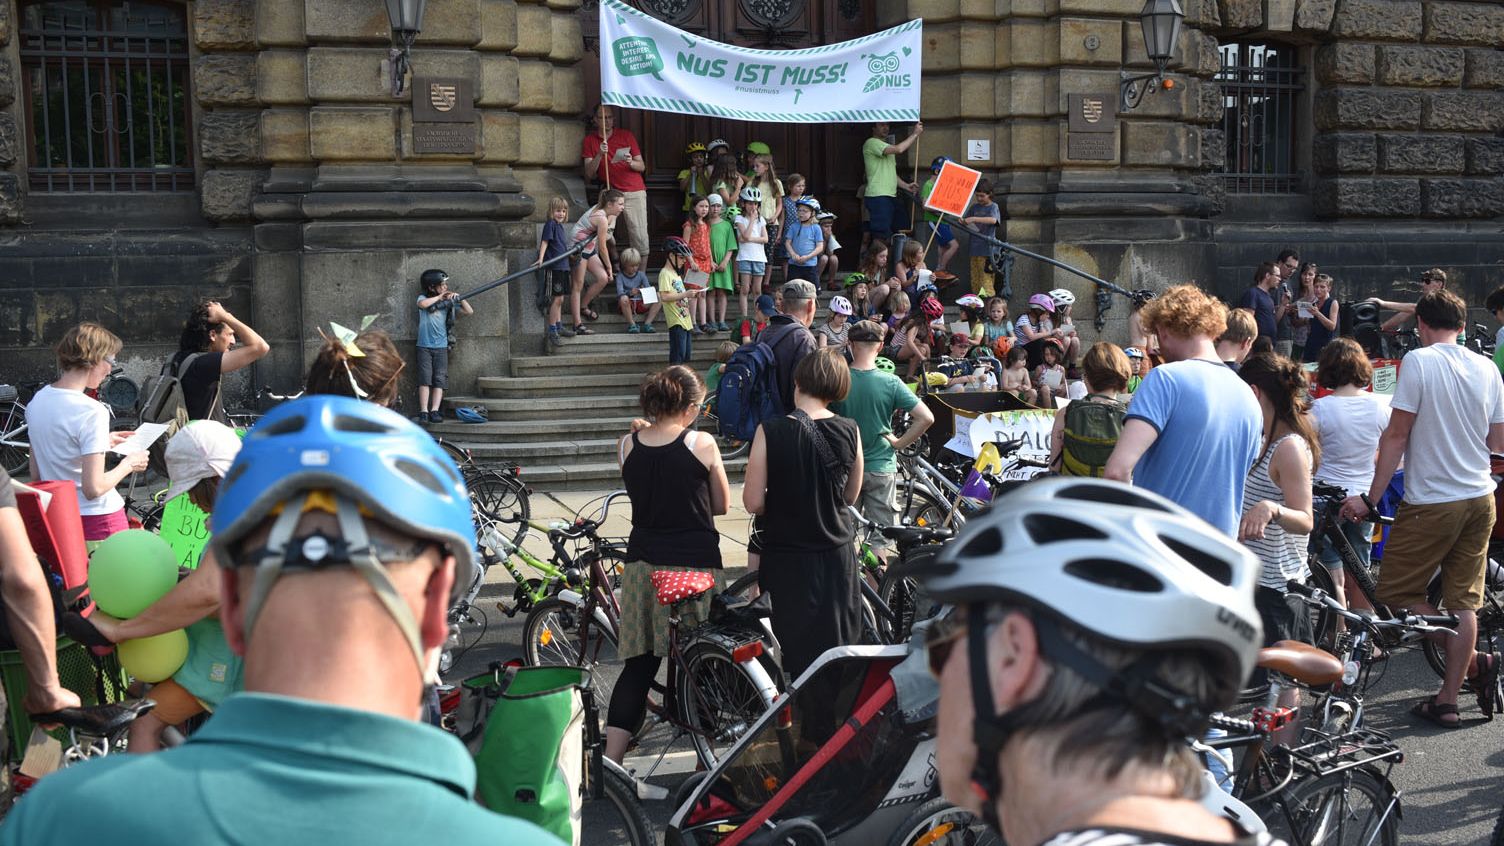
[[674, 312]]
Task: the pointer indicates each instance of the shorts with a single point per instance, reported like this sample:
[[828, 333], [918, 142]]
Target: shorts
[[174, 703], [882, 216], [97, 527], [943, 234], [1449, 535], [558, 282], [808, 274], [433, 367], [1285, 617], [981, 277], [877, 503], [754, 268]]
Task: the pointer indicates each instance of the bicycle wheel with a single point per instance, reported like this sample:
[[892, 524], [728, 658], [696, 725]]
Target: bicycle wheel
[[617, 817], [920, 508], [939, 823], [1490, 628], [1350, 808], [15, 451], [717, 699], [906, 599], [501, 498], [552, 637]]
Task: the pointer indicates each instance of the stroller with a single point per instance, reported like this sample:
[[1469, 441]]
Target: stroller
[[846, 756]]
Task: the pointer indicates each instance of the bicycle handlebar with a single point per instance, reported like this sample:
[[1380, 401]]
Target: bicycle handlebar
[[1418, 622]]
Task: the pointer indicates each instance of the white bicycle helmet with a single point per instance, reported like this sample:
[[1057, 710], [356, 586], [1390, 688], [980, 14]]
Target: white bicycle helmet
[[1062, 297], [840, 305], [751, 194], [1126, 565]]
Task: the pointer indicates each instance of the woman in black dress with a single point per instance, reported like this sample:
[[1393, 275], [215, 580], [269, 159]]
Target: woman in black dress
[[677, 484], [803, 470]]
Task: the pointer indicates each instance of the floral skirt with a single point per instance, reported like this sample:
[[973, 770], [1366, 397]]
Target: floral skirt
[[644, 623]]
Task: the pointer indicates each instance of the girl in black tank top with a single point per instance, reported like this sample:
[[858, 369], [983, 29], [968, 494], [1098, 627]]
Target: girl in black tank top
[[677, 485]]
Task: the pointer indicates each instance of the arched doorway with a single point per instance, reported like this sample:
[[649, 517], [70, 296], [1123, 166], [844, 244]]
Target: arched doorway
[[828, 155]]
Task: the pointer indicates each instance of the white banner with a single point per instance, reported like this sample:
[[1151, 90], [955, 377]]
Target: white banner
[[647, 64]]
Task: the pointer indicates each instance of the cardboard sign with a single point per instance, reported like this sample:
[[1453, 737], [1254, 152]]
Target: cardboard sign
[[954, 188], [186, 530], [1385, 378]]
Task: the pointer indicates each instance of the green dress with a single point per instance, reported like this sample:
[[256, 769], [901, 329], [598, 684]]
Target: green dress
[[723, 241]]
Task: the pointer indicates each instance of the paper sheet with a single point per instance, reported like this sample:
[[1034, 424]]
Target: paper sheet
[[649, 295], [145, 435]]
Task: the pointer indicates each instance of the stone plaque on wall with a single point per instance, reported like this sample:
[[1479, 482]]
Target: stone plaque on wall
[[444, 138], [443, 100], [1091, 134]]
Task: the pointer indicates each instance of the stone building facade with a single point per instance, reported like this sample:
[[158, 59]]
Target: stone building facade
[[301, 199]]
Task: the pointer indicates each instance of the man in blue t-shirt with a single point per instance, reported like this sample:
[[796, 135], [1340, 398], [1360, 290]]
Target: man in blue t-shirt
[[1193, 427], [1260, 299]]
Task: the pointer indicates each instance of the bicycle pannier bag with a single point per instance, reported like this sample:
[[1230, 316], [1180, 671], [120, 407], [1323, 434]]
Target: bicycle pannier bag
[[531, 757], [1091, 431], [164, 403]]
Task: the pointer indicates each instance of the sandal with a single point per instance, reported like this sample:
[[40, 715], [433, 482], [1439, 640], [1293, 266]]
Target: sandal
[[1486, 684], [582, 329], [590, 314], [1433, 711]]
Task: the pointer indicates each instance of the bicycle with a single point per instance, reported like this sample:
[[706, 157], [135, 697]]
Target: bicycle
[[1311, 793], [1365, 579], [721, 673], [930, 494], [15, 444], [265, 398], [1340, 706], [94, 731], [889, 610]]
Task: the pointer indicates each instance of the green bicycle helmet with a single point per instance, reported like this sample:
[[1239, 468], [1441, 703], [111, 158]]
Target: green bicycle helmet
[[885, 364], [854, 279]]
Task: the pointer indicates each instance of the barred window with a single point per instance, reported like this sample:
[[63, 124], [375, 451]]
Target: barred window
[[1261, 88], [107, 95]]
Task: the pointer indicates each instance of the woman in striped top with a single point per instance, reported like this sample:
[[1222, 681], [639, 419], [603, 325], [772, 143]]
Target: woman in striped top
[[1277, 518]]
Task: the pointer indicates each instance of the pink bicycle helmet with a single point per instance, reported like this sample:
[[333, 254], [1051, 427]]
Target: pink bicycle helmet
[[1042, 301], [931, 308]]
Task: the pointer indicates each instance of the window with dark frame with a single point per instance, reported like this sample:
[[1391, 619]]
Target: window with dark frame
[[1261, 90], [107, 95]]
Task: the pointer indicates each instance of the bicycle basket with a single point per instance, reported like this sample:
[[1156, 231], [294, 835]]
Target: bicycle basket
[[8, 393]]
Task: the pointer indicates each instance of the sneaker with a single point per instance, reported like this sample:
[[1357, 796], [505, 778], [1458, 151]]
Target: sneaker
[[647, 329], [633, 329], [707, 328], [436, 416], [695, 330], [723, 326], [554, 340], [944, 276], [564, 331]]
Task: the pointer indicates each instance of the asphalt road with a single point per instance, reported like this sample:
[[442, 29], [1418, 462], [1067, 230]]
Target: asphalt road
[[1451, 782]]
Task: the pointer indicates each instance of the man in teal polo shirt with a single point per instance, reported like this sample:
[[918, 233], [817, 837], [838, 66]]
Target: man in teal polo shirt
[[343, 531], [874, 397]]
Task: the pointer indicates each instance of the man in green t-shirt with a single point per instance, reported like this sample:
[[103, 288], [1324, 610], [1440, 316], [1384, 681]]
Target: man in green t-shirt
[[873, 399], [884, 212]]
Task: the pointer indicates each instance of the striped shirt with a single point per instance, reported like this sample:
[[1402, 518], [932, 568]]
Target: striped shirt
[[1130, 837], [1282, 553]]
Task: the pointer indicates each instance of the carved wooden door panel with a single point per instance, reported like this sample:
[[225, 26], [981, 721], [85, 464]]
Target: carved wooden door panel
[[827, 155]]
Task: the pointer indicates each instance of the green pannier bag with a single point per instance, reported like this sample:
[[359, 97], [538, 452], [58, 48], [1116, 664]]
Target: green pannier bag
[[530, 761], [1091, 431]]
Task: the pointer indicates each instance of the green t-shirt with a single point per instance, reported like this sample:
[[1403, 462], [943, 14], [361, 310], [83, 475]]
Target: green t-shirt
[[1134, 382], [924, 194], [713, 378], [873, 398], [882, 170], [212, 671]]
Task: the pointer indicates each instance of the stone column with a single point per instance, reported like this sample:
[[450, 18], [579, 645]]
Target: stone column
[[10, 132]]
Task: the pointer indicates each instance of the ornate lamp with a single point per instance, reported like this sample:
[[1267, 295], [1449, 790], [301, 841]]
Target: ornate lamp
[[406, 17], [1161, 21]]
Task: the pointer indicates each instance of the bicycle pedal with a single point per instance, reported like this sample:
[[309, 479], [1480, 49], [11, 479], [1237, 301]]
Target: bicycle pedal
[[509, 610], [650, 792]]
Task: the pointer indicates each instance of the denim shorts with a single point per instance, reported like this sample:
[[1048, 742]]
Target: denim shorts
[[433, 367], [754, 268]]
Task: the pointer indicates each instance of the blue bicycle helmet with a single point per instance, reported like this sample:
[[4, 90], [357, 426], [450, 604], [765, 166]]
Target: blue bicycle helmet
[[371, 462]]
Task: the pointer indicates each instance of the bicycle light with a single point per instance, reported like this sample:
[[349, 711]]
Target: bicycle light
[[747, 652]]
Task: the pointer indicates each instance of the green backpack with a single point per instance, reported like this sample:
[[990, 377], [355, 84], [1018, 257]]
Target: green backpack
[[1091, 431]]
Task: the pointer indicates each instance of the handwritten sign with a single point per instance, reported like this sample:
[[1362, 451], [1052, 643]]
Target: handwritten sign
[[954, 188], [186, 530], [1385, 378]]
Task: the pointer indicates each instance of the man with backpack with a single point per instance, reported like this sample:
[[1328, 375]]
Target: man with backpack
[[788, 336], [1087, 430], [872, 401]]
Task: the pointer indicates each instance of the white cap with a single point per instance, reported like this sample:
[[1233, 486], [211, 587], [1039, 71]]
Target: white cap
[[715, 199], [201, 450]]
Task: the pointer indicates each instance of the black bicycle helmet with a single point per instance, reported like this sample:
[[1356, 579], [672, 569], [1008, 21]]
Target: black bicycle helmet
[[432, 279]]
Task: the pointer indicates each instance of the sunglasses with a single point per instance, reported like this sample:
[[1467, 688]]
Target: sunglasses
[[945, 632]]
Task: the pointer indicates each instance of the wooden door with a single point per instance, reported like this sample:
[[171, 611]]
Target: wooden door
[[827, 155]]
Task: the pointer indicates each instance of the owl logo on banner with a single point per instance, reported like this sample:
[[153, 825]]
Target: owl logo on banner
[[443, 97]]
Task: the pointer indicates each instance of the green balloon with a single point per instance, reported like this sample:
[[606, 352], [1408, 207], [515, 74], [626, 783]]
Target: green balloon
[[153, 659], [129, 571]]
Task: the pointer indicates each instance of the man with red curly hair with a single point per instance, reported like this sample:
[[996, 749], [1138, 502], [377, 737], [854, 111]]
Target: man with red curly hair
[[1193, 427]]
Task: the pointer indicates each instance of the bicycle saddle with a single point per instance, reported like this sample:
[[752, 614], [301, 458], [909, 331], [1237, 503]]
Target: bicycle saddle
[[906, 536], [97, 720], [1302, 662], [673, 586], [1328, 491]]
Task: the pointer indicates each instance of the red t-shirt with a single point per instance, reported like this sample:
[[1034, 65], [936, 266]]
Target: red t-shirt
[[623, 177]]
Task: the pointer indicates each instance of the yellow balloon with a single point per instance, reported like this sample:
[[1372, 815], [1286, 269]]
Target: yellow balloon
[[153, 659]]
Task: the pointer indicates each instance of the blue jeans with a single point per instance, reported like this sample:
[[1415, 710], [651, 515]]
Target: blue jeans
[[680, 345], [1360, 535]]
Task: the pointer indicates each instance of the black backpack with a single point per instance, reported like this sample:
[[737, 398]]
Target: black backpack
[[164, 403]]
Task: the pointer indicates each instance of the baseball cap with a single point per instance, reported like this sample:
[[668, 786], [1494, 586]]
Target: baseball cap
[[715, 199], [865, 331], [798, 289], [960, 338], [765, 305], [204, 449]]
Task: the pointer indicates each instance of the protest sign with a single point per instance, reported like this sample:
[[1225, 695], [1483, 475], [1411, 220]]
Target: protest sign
[[953, 191], [647, 64]]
